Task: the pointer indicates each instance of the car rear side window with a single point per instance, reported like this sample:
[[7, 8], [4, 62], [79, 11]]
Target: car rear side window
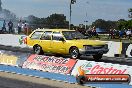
[[46, 35], [57, 36], [36, 35]]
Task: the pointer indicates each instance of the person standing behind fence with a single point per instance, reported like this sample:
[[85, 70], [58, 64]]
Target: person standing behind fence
[[26, 28], [4, 26], [128, 33], [10, 25], [19, 26], [111, 34], [23, 24]]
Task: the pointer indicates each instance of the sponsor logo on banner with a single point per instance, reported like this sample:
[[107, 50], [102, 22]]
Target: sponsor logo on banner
[[129, 51], [50, 64], [103, 72], [8, 59], [120, 78], [98, 69], [22, 40]]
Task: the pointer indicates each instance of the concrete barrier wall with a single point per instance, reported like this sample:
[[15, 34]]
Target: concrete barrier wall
[[129, 51], [114, 48], [119, 49]]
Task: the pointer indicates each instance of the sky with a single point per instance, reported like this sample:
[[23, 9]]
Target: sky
[[82, 10]]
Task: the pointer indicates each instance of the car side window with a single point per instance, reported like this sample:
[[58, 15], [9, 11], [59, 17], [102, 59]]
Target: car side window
[[46, 35], [57, 36], [36, 35]]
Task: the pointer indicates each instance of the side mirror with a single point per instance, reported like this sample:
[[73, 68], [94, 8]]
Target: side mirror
[[61, 39]]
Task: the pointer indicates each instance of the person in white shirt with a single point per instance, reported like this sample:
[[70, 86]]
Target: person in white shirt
[[19, 26], [128, 33]]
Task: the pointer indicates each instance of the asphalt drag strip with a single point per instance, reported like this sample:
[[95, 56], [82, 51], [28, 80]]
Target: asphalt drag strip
[[9, 80]]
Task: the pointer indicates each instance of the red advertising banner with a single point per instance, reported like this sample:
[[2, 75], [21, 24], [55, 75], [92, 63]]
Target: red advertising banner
[[50, 64]]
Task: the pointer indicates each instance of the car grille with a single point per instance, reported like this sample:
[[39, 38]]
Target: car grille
[[87, 47], [98, 47]]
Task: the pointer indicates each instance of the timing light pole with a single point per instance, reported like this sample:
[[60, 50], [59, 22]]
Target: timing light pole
[[71, 2]]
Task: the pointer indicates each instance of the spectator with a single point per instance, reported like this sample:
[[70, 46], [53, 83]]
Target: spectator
[[10, 25], [94, 32], [23, 24], [121, 34], [26, 28], [111, 35], [115, 33], [128, 33], [4, 26], [19, 27]]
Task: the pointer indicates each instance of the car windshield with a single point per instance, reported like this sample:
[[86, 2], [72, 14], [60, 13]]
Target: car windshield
[[70, 35]]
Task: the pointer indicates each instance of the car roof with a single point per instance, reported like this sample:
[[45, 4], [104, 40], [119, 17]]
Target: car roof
[[53, 30]]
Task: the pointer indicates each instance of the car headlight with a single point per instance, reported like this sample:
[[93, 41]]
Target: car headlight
[[86, 47]]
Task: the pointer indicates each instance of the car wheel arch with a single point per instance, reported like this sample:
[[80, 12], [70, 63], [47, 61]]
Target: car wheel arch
[[40, 52], [72, 47], [36, 45], [74, 52]]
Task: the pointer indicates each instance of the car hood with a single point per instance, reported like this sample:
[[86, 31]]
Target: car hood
[[87, 42]]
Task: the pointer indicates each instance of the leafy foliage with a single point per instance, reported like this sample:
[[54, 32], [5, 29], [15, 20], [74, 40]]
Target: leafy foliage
[[52, 21], [100, 23], [119, 25]]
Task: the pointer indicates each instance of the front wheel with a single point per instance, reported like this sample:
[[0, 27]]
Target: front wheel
[[97, 57], [74, 53], [38, 49]]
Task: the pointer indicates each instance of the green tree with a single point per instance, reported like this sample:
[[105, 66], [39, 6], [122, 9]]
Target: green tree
[[124, 24], [57, 21], [121, 24], [52, 21], [100, 23]]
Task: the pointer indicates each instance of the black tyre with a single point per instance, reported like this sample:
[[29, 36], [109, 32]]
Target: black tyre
[[38, 49], [81, 80], [74, 53], [97, 57]]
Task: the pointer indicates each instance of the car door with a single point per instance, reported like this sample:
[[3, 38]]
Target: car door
[[45, 41], [58, 43], [35, 38]]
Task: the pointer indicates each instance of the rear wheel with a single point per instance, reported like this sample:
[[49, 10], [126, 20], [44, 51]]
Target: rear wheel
[[74, 53], [38, 49], [97, 57]]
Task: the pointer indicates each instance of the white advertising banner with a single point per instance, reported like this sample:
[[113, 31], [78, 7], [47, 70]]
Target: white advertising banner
[[91, 67]]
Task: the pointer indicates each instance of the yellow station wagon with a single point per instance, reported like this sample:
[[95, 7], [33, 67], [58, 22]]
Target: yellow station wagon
[[65, 42]]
